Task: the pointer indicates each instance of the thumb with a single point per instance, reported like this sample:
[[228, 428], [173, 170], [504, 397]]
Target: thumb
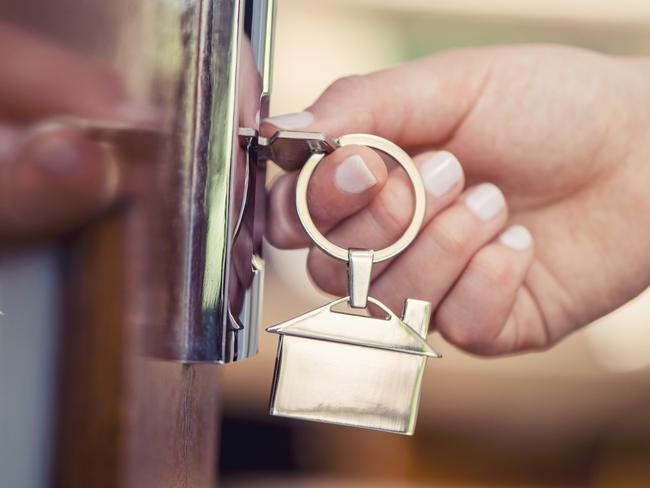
[[415, 104], [52, 181]]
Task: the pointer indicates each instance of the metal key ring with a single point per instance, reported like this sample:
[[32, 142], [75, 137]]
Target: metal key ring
[[402, 158]]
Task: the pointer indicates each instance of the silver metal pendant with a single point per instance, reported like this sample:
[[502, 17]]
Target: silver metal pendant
[[352, 370], [339, 364]]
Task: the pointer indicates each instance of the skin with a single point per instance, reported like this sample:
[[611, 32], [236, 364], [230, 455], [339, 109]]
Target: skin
[[53, 179], [563, 132]]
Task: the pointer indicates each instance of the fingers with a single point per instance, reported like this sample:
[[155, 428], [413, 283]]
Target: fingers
[[415, 104], [488, 311], [53, 181], [343, 183], [40, 78], [441, 252], [383, 221]]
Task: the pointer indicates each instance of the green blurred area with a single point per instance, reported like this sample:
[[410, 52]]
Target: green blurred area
[[422, 34]]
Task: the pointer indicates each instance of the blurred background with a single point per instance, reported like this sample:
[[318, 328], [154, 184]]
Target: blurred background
[[79, 407], [576, 415]]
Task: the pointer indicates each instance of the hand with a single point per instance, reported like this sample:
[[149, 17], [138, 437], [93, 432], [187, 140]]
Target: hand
[[52, 180], [563, 132]]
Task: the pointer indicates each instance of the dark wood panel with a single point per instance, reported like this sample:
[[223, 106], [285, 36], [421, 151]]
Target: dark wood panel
[[124, 420], [91, 354]]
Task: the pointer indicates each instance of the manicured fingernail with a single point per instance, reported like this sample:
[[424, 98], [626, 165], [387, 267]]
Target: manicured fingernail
[[440, 173], [296, 120], [516, 237], [353, 175], [485, 201]]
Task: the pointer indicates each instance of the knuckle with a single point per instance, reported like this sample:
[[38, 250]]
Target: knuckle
[[352, 84], [284, 230], [494, 270], [460, 333], [278, 235], [451, 239], [276, 238], [319, 203], [473, 333], [354, 95], [471, 340], [388, 214]]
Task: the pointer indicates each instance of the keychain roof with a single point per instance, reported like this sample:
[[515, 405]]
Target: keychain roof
[[390, 333]]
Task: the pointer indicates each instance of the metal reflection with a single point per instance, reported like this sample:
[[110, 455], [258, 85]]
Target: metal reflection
[[193, 197], [222, 284]]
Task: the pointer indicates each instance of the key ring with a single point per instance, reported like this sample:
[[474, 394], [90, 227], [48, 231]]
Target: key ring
[[402, 158]]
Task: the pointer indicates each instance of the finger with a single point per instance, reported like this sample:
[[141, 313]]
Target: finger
[[241, 253], [438, 256], [344, 182], [53, 181], [41, 78], [414, 104], [384, 220], [488, 311]]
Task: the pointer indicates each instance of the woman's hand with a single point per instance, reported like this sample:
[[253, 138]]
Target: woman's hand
[[563, 133]]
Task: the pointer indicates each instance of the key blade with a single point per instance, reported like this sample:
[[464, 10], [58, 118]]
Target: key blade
[[287, 148], [291, 149]]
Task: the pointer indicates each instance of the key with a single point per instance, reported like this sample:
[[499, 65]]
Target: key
[[342, 365], [289, 148]]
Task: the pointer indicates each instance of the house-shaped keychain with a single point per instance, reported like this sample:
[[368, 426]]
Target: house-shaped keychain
[[350, 369], [344, 366]]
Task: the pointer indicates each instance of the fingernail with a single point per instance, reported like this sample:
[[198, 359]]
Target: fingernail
[[57, 153], [292, 121], [353, 175], [440, 173], [65, 155], [485, 201], [516, 237]]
